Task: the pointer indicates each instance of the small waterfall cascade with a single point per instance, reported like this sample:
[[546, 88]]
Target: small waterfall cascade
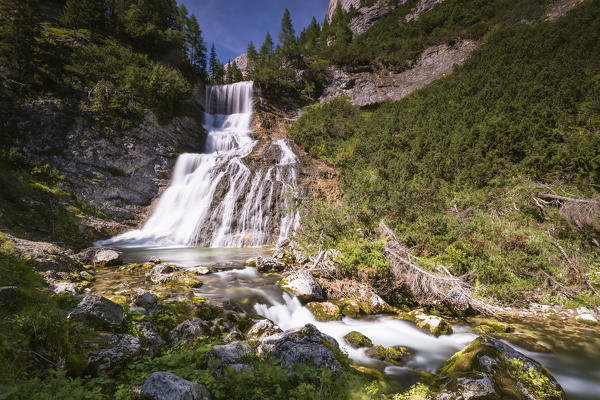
[[223, 197]]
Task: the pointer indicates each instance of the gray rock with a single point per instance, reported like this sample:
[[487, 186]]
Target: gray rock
[[421, 7], [98, 312], [65, 288], [187, 330], [168, 386], [262, 329], [306, 346], [234, 335], [269, 264], [150, 338], [163, 273], [107, 258], [488, 368], [155, 260], [229, 353], [303, 285], [146, 299], [200, 270], [121, 350]]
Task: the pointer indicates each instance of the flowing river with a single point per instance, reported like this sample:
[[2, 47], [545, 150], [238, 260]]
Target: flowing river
[[222, 200]]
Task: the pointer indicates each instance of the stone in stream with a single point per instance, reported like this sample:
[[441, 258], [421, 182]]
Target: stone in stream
[[357, 340], [200, 270], [107, 258], [305, 346], [434, 324], [349, 307], [146, 299], [324, 311], [489, 369], [269, 264], [168, 386], [392, 355], [303, 285], [587, 319], [262, 329], [187, 330], [97, 312], [120, 350]]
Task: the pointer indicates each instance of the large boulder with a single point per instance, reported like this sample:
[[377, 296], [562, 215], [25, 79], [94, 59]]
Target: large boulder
[[150, 337], [269, 264], [228, 354], [262, 329], [324, 311], [187, 330], [65, 288], [107, 258], [98, 312], [434, 324], [145, 299], [120, 349], [490, 369], [303, 285], [168, 386], [357, 340], [170, 274], [305, 346]]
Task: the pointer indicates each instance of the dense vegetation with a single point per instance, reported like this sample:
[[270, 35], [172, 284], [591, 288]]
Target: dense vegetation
[[453, 167]]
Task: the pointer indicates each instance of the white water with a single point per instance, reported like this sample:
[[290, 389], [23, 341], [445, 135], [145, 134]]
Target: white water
[[220, 198]]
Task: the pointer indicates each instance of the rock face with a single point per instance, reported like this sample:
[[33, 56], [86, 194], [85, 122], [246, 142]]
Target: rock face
[[119, 173], [262, 329], [168, 386], [98, 312], [369, 15], [46, 256], [305, 346], [345, 5], [366, 88], [560, 8], [421, 7], [303, 285], [121, 349], [490, 369]]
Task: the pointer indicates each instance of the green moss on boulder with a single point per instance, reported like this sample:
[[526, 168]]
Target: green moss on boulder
[[393, 355], [324, 311], [357, 339]]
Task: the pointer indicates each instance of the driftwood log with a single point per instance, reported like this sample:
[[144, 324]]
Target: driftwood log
[[428, 287]]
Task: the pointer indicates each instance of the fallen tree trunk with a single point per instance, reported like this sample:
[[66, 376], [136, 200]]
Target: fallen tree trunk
[[427, 287]]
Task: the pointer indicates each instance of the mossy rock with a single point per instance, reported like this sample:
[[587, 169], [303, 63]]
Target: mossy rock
[[490, 326], [357, 339], [349, 307], [375, 375], [392, 355], [434, 324], [324, 311]]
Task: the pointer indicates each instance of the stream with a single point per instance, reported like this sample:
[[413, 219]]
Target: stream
[[572, 359]]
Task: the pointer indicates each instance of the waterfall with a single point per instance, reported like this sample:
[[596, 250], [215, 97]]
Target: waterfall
[[222, 197]]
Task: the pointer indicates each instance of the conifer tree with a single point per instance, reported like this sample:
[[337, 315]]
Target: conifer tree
[[287, 36], [89, 14], [228, 78], [197, 47], [19, 26], [339, 26], [236, 73], [266, 50], [252, 55], [213, 63]]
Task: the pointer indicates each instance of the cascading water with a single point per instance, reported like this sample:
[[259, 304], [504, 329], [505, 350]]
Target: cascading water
[[218, 198]]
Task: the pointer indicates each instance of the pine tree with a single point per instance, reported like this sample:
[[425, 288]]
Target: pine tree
[[287, 36], [196, 45], [252, 56], [310, 36], [20, 24], [89, 14], [266, 50], [213, 63], [339, 26], [236, 73], [228, 77]]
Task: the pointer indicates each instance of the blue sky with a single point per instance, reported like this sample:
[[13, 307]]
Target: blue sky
[[232, 24]]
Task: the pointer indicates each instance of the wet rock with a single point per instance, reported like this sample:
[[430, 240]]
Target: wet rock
[[150, 338], [434, 324], [98, 312], [171, 274], [349, 307], [121, 350], [234, 335], [168, 386], [392, 355], [324, 311], [187, 330], [488, 368], [305, 346], [200, 270], [86, 276], [262, 329], [107, 258], [155, 260], [489, 326], [228, 354], [351, 293], [146, 299], [251, 262], [357, 339], [587, 319], [269, 264], [303, 285], [65, 288]]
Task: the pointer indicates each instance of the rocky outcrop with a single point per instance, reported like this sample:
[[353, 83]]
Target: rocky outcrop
[[303, 285], [98, 312], [346, 4], [369, 15], [46, 256], [421, 7], [118, 173], [366, 88], [354, 298], [269, 264], [305, 346], [490, 369], [560, 7], [228, 354], [168, 386], [187, 330]]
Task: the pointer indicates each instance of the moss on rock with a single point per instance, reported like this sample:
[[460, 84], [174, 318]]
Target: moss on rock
[[357, 339], [393, 355], [324, 311]]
